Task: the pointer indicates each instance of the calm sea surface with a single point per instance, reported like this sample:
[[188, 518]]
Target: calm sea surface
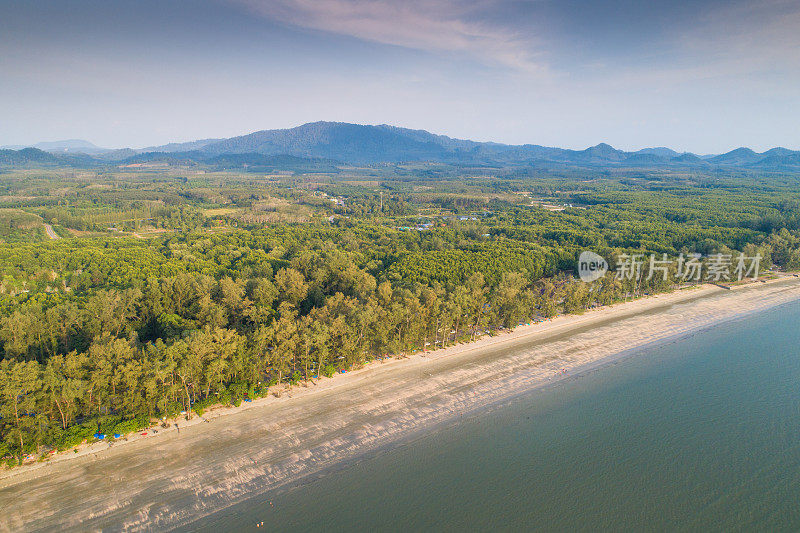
[[701, 434]]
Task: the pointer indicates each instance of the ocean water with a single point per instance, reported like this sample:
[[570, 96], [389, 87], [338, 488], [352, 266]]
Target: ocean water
[[700, 434]]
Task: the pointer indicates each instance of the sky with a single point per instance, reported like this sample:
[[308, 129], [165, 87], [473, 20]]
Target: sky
[[704, 76]]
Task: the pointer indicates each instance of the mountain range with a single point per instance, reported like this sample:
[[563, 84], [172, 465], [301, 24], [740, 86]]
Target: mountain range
[[324, 146]]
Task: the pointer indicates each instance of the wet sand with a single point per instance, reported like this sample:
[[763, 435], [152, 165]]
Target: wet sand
[[162, 481]]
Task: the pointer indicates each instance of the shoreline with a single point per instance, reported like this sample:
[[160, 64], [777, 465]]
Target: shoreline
[[546, 326], [310, 429], [468, 414]]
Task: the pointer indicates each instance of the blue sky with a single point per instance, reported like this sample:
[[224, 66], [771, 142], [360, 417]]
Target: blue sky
[[705, 76]]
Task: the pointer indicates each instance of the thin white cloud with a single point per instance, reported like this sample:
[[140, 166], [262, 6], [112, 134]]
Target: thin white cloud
[[449, 26]]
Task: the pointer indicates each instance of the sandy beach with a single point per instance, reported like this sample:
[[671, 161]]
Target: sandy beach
[[164, 480]]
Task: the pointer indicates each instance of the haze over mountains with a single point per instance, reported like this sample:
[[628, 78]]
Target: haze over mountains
[[72, 146], [326, 145]]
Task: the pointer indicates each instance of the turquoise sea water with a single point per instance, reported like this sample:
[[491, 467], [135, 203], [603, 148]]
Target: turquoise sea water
[[701, 434]]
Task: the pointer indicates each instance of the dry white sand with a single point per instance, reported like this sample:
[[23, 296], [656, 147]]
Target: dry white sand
[[159, 481]]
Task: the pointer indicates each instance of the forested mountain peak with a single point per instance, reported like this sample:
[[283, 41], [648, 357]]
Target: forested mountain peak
[[739, 155]]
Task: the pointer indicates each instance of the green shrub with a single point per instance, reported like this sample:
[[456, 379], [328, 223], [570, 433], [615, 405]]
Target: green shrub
[[225, 398], [329, 370], [131, 425], [199, 407], [75, 435], [106, 424], [238, 391]]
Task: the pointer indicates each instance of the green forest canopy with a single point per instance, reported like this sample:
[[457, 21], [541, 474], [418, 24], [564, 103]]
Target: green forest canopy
[[171, 293]]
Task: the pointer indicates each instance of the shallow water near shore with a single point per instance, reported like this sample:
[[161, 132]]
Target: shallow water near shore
[[703, 433]]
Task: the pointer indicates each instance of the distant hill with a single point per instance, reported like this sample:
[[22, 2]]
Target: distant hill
[[740, 156], [689, 159], [790, 161], [660, 151], [25, 156], [779, 151], [181, 147], [647, 159], [251, 161], [171, 158], [324, 146], [69, 146], [336, 140], [600, 153], [37, 157]]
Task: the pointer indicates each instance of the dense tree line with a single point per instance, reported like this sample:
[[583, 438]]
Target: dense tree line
[[181, 343]]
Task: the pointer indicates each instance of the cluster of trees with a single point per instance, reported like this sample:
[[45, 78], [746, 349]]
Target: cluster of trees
[[103, 217], [491, 258], [17, 225], [784, 249]]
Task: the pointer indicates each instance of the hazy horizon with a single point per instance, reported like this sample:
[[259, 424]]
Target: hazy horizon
[[704, 77]]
